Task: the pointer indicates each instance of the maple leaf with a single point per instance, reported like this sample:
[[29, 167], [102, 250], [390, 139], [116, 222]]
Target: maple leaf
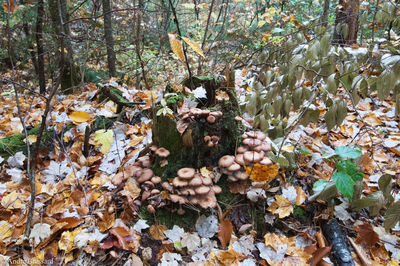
[[281, 206], [225, 229], [262, 173], [176, 46], [367, 234]]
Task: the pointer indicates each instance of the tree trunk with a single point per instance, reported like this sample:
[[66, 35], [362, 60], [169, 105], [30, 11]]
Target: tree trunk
[[39, 44], [324, 18], [346, 22], [109, 37], [59, 15]]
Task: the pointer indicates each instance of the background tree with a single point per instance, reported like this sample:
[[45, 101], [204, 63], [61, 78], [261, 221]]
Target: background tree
[[108, 35], [346, 23]]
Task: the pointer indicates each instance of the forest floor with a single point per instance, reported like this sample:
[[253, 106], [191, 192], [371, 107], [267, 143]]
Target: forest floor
[[84, 214]]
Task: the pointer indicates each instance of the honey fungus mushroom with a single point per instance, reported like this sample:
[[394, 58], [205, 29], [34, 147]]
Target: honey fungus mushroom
[[162, 152]]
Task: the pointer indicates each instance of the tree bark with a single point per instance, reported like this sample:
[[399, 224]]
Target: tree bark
[[58, 10], [324, 18], [346, 22], [109, 37], [39, 44]]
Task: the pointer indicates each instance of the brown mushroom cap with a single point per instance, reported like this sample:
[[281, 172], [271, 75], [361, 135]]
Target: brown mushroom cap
[[178, 182], [167, 186], [241, 175], [186, 173], [267, 147], [153, 148], [148, 185], [211, 119], [251, 134], [252, 142], [226, 161], [260, 135], [238, 118], [216, 113], [194, 200], [202, 190], [252, 156], [196, 181], [266, 161], [234, 167], [217, 189], [241, 149], [231, 178], [239, 159], [177, 199], [155, 180], [180, 211], [155, 191], [207, 181], [145, 195], [210, 144], [244, 135], [151, 209], [146, 175], [215, 139], [207, 138], [162, 152]]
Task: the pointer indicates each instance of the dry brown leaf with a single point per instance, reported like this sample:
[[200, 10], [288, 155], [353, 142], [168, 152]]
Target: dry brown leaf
[[157, 231], [225, 229], [281, 206], [176, 46], [319, 254], [366, 234], [301, 195], [107, 221], [127, 240], [227, 257]]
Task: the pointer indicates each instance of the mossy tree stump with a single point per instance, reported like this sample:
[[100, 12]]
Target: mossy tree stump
[[189, 149]]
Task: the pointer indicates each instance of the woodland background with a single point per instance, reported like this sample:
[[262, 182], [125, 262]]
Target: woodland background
[[89, 87]]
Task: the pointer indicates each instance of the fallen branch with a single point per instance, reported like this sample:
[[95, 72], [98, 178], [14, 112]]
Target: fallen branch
[[336, 238]]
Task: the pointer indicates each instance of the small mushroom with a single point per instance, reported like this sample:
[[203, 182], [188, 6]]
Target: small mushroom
[[196, 181], [252, 156], [151, 209], [177, 199], [207, 138], [234, 167], [155, 192], [239, 159], [186, 173], [145, 195], [241, 175], [167, 186], [177, 182], [162, 152], [231, 178], [252, 142], [155, 180], [226, 161], [211, 119], [180, 211], [210, 144], [241, 149], [207, 181], [266, 161], [202, 190], [217, 189], [146, 175], [260, 135], [215, 139], [153, 148]]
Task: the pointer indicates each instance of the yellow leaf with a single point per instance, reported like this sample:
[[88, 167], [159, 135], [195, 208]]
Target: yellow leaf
[[157, 231], [5, 230], [176, 46], [105, 139], [66, 242], [11, 201], [79, 117], [301, 196], [205, 172], [262, 173], [194, 45], [288, 148], [281, 206], [135, 141]]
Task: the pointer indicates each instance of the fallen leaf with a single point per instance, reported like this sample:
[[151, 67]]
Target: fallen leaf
[[366, 234], [262, 173], [104, 138], [281, 206], [225, 229], [79, 117], [157, 231]]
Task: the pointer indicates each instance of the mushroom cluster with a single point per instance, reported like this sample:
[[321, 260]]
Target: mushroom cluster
[[211, 141], [253, 150], [192, 187], [211, 116]]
